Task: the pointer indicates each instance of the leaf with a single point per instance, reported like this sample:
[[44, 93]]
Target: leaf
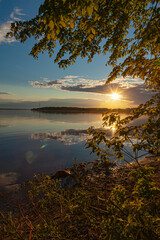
[[72, 25], [57, 31], [39, 20], [89, 10], [93, 31], [51, 24], [44, 21], [63, 24]]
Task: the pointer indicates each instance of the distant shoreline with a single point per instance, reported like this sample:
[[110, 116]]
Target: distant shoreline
[[80, 110], [15, 109], [73, 110]]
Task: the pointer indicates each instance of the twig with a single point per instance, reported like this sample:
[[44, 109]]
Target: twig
[[99, 209], [113, 204]]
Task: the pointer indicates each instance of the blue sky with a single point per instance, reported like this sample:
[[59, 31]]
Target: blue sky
[[26, 82]]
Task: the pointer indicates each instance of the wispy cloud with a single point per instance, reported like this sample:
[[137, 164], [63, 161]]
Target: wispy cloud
[[16, 11], [128, 81], [68, 82], [77, 83], [5, 93], [70, 76], [5, 26]]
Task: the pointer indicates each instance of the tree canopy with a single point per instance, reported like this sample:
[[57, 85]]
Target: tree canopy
[[128, 30]]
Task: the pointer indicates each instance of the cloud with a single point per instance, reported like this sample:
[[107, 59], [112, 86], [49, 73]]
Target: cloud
[[16, 11], [70, 76], [46, 83], [79, 84], [5, 93], [5, 27], [137, 94], [128, 82], [68, 82], [132, 89]]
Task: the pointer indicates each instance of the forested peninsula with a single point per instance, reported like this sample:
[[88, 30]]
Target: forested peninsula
[[80, 110]]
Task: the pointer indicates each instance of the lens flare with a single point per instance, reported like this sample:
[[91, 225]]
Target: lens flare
[[30, 157], [43, 146]]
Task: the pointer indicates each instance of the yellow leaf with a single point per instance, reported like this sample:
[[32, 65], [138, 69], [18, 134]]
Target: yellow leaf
[[51, 24], [90, 37], [44, 20], [57, 31], [39, 20], [83, 11], [52, 36], [72, 25], [48, 36], [89, 10], [96, 7], [63, 24], [93, 30]]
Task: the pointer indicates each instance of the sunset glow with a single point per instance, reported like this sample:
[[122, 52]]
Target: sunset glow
[[115, 96]]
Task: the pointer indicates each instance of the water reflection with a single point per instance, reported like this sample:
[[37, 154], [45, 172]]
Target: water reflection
[[4, 125], [33, 143], [67, 137], [8, 181]]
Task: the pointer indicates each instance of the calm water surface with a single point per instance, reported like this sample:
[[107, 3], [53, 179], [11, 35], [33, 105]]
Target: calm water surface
[[32, 143]]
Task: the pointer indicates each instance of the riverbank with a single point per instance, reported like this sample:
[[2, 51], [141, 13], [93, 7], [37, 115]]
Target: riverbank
[[114, 174], [102, 203]]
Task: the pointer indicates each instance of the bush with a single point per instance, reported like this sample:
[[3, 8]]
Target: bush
[[87, 209]]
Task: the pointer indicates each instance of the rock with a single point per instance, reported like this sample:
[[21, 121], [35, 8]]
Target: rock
[[61, 174]]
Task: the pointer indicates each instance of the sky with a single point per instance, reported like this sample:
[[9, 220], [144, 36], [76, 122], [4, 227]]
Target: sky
[[27, 83]]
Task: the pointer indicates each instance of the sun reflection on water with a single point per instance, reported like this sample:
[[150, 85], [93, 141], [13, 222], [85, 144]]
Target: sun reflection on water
[[113, 127]]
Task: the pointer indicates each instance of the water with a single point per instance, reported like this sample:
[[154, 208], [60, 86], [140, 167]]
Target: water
[[32, 143]]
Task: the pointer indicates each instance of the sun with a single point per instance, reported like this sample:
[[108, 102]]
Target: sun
[[115, 96]]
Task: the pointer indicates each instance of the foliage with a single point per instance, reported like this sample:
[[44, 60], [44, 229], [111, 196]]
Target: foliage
[[89, 209], [128, 29], [144, 137]]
